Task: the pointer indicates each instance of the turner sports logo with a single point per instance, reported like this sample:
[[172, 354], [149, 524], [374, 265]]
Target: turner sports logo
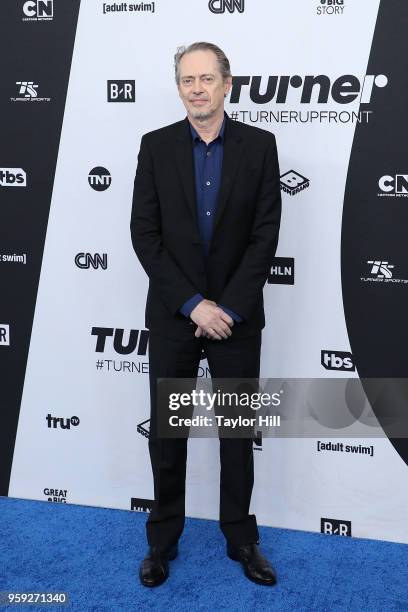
[[38, 10], [282, 271], [27, 92], [220, 6], [292, 182], [330, 7], [382, 272], [335, 527], [138, 504], [13, 177], [341, 361], [393, 186]]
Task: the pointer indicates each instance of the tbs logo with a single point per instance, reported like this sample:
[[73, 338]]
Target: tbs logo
[[13, 177], [335, 527], [337, 360], [121, 91]]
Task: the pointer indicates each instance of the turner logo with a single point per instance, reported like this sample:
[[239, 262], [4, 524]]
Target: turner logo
[[13, 177], [56, 495], [121, 91], [381, 269], [282, 271], [99, 178], [343, 90], [335, 527], [86, 261], [337, 360], [4, 334], [292, 182], [382, 272], [330, 7], [38, 10], [61, 422], [138, 339], [141, 505], [220, 6], [393, 186]]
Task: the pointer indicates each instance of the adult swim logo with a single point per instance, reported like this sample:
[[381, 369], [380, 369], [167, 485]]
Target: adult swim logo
[[38, 10], [395, 186], [99, 178], [220, 6], [292, 182], [298, 90], [121, 91], [123, 343], [27, 92], [282, 271], [13, 258], [330, 7], [4, 334], [13, 177], [381, 271], [128, 7], [86, 261]]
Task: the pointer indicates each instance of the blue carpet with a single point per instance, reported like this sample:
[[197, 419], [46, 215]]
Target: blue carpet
[[93, 554]]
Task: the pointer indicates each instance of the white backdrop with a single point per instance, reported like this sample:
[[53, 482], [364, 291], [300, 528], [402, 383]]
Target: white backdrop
[[103, 461]]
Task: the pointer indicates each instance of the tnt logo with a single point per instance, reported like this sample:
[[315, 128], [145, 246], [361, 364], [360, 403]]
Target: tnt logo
[[38, 10], [382, 269], [99, 178], [138, 339], [4, 334], [219, 6], [292, 182], [86, 261], [61, 423], [394, 186], [121, 91], [337, 360], [13, 177], [335, 527], [141, 505]]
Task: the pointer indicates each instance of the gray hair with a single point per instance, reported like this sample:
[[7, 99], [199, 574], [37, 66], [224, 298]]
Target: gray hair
[[223, 62]]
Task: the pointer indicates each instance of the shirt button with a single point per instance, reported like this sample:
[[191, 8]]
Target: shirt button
[[208, 183], [208, 153], [208, 213]]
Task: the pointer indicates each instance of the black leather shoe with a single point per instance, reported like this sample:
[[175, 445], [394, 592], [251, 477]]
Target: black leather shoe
[[256, 567], [154, 569]]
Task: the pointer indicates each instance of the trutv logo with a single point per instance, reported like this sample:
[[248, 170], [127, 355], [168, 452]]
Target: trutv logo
[[138, 339], [61, 422], [337, 360], [335, 527]]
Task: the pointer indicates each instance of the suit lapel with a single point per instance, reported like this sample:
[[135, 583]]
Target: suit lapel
[[231, 158], [185, 167]]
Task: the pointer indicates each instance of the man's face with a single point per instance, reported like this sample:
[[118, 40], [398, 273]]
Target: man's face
[[201, 86]]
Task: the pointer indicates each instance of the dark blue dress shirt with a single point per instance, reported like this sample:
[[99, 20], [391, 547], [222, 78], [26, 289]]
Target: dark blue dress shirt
[[207, 170]]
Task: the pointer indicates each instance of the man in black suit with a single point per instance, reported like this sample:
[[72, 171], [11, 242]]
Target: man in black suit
[[204, 225]]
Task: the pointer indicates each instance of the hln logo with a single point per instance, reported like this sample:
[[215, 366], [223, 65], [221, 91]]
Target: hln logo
[[219, 6], [282, 271], [39, 9], [4, 334], [137, 339], [141, 505], [121, 91], [86, 261], [335, 527]]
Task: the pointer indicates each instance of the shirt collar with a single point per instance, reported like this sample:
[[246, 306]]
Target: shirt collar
[[196, 136]]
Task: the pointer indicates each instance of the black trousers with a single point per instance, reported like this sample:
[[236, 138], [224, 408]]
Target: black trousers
[[231, 358]]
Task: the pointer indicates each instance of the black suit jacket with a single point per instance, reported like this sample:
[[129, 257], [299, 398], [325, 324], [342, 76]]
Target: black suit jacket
[[165, 234]]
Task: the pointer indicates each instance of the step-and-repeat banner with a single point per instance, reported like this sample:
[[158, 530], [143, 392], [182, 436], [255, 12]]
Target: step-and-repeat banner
[[81, 83]]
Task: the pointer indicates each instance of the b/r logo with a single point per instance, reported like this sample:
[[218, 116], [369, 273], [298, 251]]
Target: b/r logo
[[121, 91], [4, 334], [335, 527]]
